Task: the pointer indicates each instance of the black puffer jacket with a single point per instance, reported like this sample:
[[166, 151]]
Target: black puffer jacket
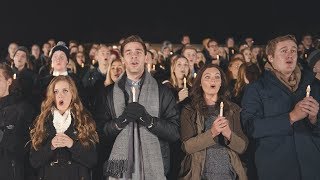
[[15, 117], [166, 128]]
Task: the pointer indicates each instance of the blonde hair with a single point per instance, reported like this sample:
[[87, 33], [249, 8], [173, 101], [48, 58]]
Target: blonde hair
[[84, 124], [109, 80], [173, 78]]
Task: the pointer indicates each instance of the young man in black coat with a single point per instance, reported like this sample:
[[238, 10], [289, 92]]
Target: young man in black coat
[[120, 109]]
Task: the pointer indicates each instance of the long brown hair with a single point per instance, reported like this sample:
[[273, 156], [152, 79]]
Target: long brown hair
[[240, 83], [246, 70], [84, 124], [197, 93]]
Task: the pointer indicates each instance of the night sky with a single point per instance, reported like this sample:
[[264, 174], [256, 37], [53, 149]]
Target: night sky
[[28, 22]]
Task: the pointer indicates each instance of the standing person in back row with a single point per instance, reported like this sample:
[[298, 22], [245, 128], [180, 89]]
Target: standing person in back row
[[139, 124], [279, 117]]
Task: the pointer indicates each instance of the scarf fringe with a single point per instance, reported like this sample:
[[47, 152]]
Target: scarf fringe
[[115, 168]]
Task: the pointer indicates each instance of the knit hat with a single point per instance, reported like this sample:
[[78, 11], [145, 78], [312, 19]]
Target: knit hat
[[313, 58], [24, 49], [61, 46]]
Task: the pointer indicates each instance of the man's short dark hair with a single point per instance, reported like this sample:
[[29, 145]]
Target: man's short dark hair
[[133, 38]]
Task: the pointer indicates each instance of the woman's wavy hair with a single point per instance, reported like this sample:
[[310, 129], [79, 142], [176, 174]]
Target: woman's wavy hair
[[173, 78], [83, 121], [197, 93]]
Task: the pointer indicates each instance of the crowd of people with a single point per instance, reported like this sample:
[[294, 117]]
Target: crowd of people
[[131, 111]]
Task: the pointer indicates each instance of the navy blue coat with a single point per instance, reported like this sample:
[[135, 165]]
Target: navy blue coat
[[283, 151]]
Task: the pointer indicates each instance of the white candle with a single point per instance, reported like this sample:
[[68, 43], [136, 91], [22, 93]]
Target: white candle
[[82, 65], [194, 75], [14, 76], [153, 67], [221, 109], [308, 91], [93, 61], [184, 83], [232, 51], [305, 55], [133, 94], [217, 57], [149, 67]]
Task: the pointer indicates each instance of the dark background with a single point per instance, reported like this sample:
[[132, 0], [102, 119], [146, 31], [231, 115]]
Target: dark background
[[31, 21]]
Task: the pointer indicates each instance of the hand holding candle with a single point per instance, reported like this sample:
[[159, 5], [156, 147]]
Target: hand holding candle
[[308, 91], [221, 109]]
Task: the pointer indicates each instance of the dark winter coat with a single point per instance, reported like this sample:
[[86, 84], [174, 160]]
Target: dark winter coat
[[27, 80], [92, 76], [15, 118], [282, 151], [63, 163]]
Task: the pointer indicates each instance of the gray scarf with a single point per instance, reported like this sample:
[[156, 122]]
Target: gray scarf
[[148, 150]]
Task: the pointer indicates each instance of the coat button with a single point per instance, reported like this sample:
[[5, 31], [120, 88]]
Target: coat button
[[69, 162], [51, 164]]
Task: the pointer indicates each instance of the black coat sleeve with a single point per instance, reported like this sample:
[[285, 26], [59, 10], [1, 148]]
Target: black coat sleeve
[[103, 116], [167, 125]]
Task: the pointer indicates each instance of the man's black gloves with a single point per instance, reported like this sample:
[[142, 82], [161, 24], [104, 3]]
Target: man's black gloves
[[122, 121], [142, 116], [134, 112], [128, 115]]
